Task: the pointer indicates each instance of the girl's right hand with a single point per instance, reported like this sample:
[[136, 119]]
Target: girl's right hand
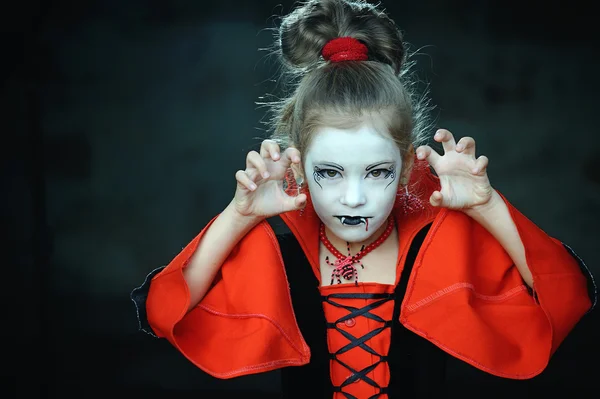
[[259, 192]]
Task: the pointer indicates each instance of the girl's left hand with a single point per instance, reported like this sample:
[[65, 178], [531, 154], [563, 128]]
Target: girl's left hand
[[463, 177]]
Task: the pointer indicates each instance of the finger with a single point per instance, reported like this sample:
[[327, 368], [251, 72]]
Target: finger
[[436, 198], [244, 180], [480, 165], [270, 149], [295, 203], [428, 153], [446, 138], [254, 160], [466, 145], [291, 155]]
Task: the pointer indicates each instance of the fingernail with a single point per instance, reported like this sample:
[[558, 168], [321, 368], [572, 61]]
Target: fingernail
[[253, 187], [276, 155], [266, 175], [459, 147]]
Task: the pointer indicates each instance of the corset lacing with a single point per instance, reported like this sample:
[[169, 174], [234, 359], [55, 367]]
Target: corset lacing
[[365, 311]]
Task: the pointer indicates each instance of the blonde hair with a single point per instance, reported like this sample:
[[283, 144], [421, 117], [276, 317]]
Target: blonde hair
[[344, 94]]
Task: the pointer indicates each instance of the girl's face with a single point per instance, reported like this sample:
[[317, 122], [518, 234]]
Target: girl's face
[[353, 177]]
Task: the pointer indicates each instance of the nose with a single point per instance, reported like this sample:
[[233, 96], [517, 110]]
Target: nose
[[353, 195]]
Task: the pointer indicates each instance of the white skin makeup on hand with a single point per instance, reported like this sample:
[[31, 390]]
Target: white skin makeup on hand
[[352, 176]]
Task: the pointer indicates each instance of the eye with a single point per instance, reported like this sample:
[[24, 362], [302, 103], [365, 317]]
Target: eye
[[330, 173], [380, 173], [326, 173]]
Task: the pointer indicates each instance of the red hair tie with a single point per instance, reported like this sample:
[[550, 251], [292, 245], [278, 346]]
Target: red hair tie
[[344, 49]]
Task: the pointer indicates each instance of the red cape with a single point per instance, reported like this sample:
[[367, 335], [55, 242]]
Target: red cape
[[464, 295]]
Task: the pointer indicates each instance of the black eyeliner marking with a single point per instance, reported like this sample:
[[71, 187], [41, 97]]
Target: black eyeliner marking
[[391, 174], [331, 165], [368, 168], [318, 175]]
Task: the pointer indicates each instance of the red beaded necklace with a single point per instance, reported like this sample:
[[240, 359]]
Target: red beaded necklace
[[344, 265]]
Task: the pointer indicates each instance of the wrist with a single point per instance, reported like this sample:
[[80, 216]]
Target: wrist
[[241, 220], [486, 208]]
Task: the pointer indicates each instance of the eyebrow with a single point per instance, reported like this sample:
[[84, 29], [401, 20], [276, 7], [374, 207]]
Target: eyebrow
[[331, 165], [372, 166], [341, 168]]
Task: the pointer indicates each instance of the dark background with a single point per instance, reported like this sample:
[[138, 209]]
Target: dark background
[[125, 121]]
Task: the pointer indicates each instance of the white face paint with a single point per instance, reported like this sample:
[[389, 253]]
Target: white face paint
[[353, 179]]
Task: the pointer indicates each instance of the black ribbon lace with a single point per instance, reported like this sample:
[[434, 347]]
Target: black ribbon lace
[[359, 342]]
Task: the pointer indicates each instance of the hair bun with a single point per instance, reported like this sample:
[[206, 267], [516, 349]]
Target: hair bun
[[304, 33]]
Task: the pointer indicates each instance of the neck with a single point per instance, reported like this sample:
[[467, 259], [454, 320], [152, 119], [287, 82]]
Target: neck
[[342, 245]]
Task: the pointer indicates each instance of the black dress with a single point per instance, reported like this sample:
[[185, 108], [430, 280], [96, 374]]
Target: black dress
[[417, 367]]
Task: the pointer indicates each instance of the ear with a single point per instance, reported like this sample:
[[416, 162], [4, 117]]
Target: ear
[[408, 162]]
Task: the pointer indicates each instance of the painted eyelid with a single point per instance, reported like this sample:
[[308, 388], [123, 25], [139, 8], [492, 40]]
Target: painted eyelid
[[384, 172], [323, 173]]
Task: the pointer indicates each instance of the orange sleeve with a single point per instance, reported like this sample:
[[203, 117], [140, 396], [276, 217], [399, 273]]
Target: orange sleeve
[[244, 324], [467, 297], [559, 283]]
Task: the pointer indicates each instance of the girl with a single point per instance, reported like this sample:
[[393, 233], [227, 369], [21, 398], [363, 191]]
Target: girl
[[399, 258]]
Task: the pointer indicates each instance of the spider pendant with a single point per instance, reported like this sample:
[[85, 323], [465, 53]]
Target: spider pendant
[[345, 267]]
